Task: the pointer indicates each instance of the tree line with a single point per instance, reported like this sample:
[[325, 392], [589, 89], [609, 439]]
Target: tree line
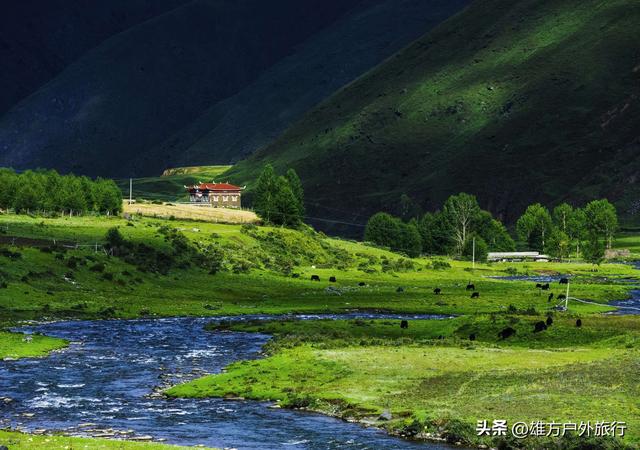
[[461, 222], [588, 230], [48, 192], [279, 200]]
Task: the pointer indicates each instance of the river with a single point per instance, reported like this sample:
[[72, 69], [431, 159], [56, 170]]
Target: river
[[104, 378]]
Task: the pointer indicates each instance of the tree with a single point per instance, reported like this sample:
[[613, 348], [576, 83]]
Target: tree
[[577, 225], [408, 239], [562, 215], [72, 198], [494, 233], [382, 229], [534, 226], [435, 233], [296, 188], [108, 196], [461, 210], [602, 220], [593, 250], [285, 209], [558, 244], [481, 249], [8, 187], [263, 203]]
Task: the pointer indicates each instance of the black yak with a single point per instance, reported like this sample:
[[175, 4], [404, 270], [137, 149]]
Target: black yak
[[475, 295], [362, 283], [315, 278], [578, 323], [437, 291], [471, 287], [506, 333], [404, 324], [564, 281], [539, 326], [550, 297], [472, 337], [545, 287], [549, 321], [332, 279]]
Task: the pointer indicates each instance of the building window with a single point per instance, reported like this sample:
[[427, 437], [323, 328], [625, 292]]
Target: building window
[[225, 198], [234, 198], [215, 198]]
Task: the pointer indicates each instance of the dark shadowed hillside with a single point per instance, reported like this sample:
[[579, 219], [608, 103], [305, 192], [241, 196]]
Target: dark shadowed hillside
[[204, 82], [514, 101], [255, 116], [129, 93], [38, 39]]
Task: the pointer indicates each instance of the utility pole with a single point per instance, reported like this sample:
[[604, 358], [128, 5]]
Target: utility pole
[[566, 299], [130, 190], [473, 257]]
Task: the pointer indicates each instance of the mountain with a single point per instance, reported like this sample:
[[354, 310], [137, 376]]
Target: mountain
[[255, 116], [516, 102], [39, 39], [197, 82]]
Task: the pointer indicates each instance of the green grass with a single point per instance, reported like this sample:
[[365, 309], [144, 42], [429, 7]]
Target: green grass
[[18, 345], [629, 241], [339, 367], [497, 101], [357, 369], [170, 186], [36, 284], [20, 441]]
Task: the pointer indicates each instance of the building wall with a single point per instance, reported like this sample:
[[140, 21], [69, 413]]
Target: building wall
[[231, 199], [225, 199]]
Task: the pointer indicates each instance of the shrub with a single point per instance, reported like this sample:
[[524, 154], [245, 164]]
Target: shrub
[[97, 267], [439, 264]]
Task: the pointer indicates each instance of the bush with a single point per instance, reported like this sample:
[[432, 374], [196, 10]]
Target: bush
[[439, 264], [97, 267]]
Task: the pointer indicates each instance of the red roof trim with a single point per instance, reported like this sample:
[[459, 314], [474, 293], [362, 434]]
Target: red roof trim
[[216, 187]]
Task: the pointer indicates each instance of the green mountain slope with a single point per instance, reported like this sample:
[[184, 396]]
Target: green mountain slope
[[515, 101]]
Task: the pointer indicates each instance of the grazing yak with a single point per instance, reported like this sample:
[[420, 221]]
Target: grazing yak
[[562, 297], [400, 289], [315, 278], [506, 333], [404, 324], [437, 291], [578, 323], [549, 321], [539, 285], [472, 337], [545, 287], [539, 326], [564, 281], [550, 297], [332, 279], [362, 283], [471, 286], [475, 295]]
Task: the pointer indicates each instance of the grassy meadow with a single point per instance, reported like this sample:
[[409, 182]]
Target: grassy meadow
[[20, 441], [433, 378], [18, 345]]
